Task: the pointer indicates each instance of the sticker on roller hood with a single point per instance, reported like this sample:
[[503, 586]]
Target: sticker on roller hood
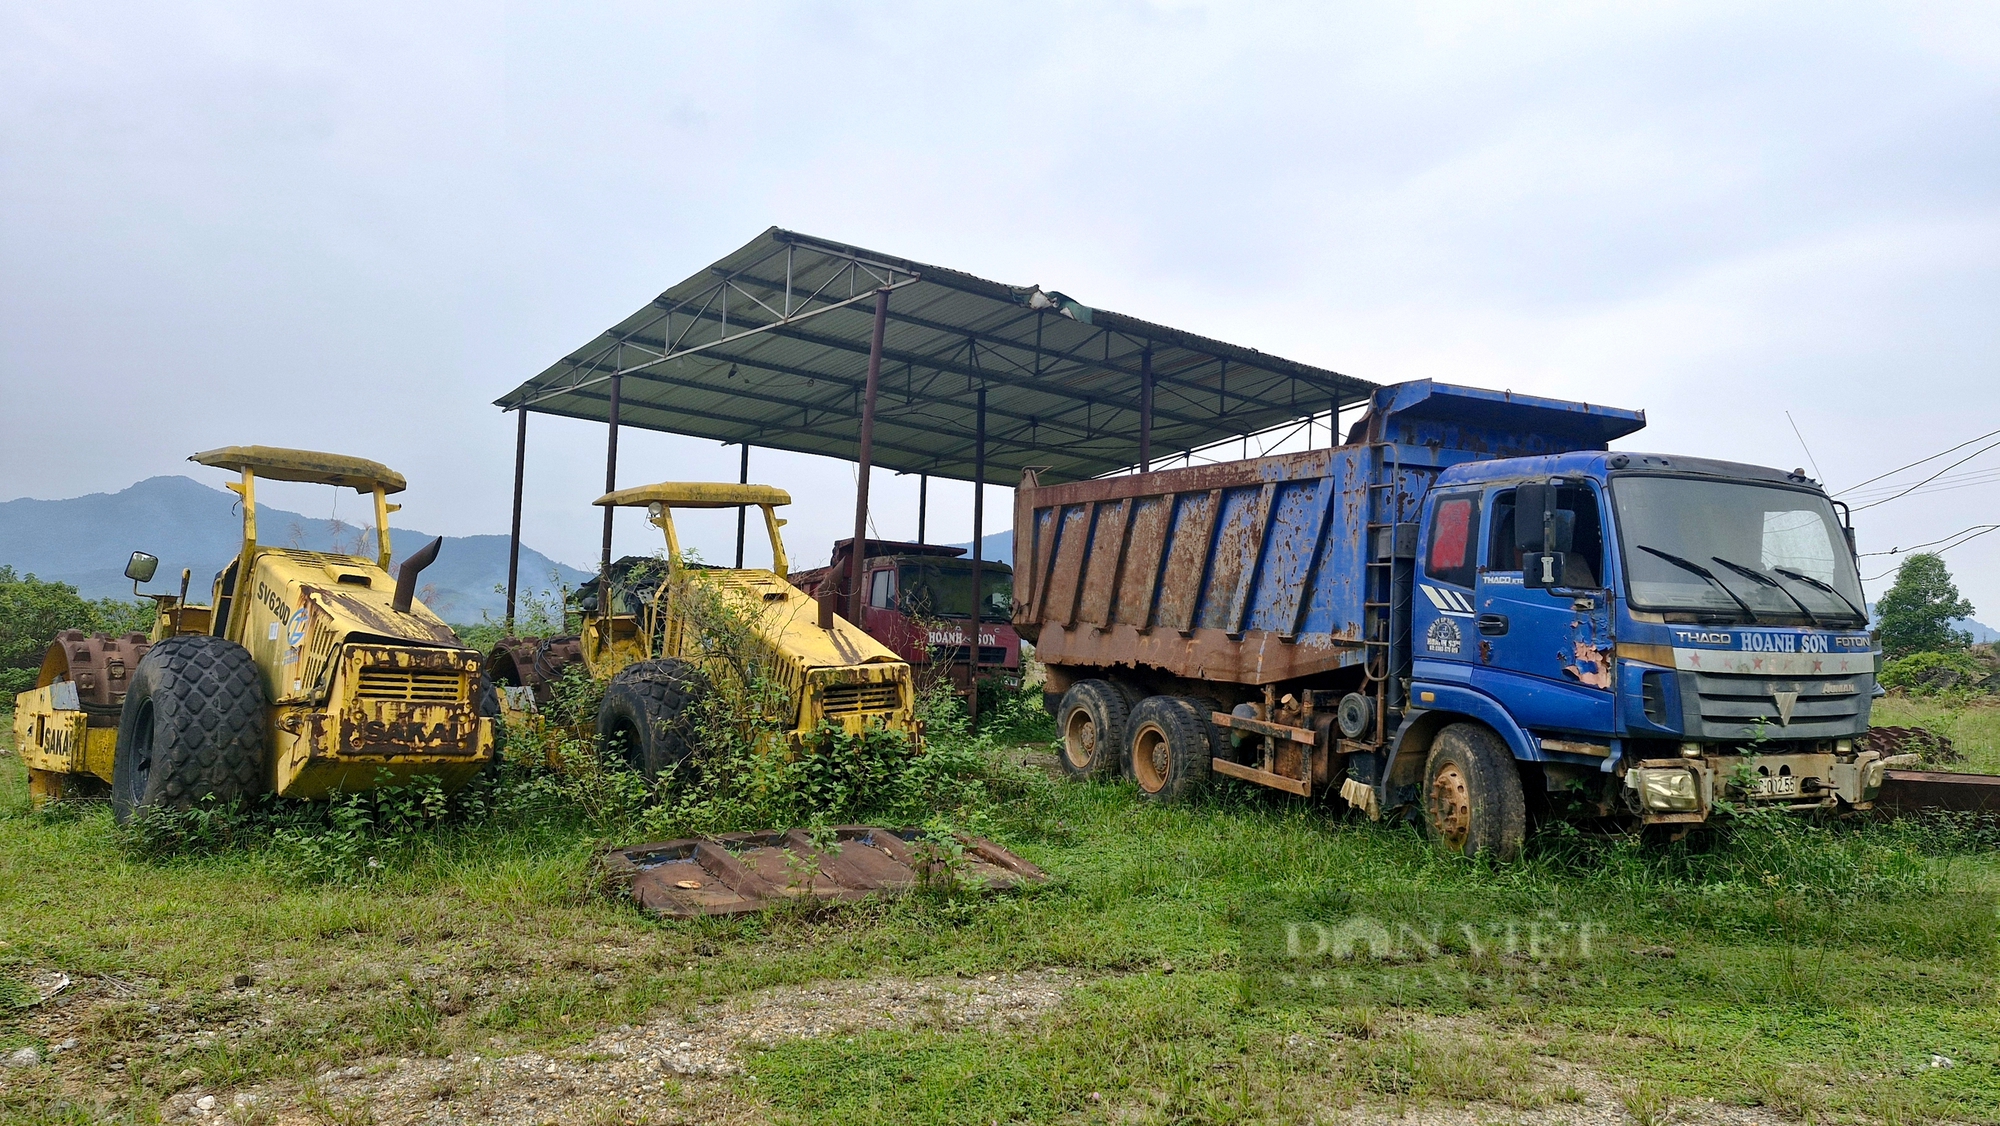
[[296, 632]]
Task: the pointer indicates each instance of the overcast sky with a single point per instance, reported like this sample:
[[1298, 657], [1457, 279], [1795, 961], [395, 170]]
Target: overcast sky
[[351, 228]]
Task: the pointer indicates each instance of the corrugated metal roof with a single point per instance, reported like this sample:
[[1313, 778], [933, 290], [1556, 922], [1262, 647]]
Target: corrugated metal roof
[[770, 346]]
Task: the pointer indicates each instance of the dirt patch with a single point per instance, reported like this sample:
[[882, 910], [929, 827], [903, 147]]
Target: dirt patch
[[666, 1071]]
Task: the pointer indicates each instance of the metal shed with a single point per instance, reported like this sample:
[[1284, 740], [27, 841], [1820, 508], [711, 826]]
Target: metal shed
[[800, 343]]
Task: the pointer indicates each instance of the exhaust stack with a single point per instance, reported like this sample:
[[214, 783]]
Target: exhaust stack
[[406, 575]]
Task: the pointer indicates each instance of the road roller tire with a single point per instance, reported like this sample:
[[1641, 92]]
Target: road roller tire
[[193, 727], [647, 717]]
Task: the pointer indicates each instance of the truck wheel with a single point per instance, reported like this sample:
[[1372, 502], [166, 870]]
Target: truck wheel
[[1472, 794], [1092, 719], [193, 727], [646, 717], [1170, 748]]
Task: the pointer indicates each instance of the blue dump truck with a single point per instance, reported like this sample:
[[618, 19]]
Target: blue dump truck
[[1472, 613]]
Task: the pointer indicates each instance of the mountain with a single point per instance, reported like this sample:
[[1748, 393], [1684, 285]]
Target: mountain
[[1981, 633], [85, 541], [999, 547]]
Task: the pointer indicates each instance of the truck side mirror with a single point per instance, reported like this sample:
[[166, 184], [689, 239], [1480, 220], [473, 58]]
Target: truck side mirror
[[140, 567], [1532, 503]]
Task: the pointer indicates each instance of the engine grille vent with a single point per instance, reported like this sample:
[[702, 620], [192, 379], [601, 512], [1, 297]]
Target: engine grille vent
[[410, 685], [859, 699]]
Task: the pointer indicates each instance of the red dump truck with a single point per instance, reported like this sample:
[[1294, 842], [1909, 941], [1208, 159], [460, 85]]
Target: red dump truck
[[919, 603]]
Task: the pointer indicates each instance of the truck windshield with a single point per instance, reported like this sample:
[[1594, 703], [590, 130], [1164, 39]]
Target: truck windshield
[[1736, 549], [942, 588]]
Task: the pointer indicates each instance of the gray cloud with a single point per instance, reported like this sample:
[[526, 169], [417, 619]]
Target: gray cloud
[[352, 227]]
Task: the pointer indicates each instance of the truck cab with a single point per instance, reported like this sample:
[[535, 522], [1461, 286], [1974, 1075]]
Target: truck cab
[[1654, 634], [918, 600]]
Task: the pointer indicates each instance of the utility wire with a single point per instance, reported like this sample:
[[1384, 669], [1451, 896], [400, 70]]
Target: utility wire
[[1932, 477], [1940, 539], [1918, 462], [1942, 485], [1939, 551]]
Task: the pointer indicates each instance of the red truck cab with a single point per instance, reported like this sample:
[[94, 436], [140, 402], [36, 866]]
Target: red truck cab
[[919, 603]]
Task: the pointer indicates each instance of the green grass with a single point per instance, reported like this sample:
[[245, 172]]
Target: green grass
[[1814, 970], [1973, 727]]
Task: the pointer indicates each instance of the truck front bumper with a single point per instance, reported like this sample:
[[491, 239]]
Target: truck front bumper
[[1686, 789]]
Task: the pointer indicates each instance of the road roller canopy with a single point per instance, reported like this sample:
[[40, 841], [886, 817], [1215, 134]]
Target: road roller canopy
[[695, 494], [274, 463]]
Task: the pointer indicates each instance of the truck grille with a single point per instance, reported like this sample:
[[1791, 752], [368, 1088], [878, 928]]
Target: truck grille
[[1731, 706], [410, 685], [856, 699]]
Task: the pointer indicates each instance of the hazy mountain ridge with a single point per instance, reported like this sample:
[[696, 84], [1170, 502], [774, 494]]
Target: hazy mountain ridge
[[85, 541]]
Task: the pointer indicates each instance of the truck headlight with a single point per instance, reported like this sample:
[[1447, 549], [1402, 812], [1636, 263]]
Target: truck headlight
[[1666, 790]]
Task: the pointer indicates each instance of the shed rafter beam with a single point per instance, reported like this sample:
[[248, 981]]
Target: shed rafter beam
[[1115, 365]]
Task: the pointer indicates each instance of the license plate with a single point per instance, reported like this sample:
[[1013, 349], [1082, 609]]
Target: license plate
[[1776, 786]]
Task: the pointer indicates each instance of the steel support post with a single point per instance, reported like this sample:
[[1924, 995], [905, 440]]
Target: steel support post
[[742, 478], [923, 503], [978, 552], [858, 554], [1146, 409], [514, 536], [610, 485]]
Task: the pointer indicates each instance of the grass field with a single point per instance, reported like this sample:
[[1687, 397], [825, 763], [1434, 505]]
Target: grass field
[[1817, 971]]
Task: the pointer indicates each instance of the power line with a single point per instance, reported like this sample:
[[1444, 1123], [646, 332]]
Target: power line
[[1939, 551], [1932, 477], [1940, 539], [1950, 481], [1918, 462]]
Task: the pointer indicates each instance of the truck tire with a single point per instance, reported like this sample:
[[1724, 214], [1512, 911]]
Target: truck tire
[[646, 718], [1473, 802], [193, 727], [1091, 719], [1170, 745]]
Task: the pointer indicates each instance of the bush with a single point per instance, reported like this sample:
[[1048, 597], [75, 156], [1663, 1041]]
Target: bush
[[1936, 673], [32, 612]]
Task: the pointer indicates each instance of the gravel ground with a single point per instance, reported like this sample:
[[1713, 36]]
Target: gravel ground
[[668, 1071]]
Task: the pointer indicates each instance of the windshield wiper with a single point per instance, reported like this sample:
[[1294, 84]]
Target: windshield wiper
[[1763, 579], [1859, 613], [1691, 566]]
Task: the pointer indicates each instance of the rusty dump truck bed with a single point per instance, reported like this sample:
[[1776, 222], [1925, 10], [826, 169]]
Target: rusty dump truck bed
[[1253, 572], [1247, 572]]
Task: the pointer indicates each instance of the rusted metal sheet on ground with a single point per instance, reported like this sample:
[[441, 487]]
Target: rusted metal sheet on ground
[[1908, 792], [737, 873], [1891, 741]]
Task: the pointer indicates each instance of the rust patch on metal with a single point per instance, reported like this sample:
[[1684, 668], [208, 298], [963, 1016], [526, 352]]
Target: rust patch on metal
[[369, 616], [737, 873], [1906, 792], [1258, 657], [1891, 741], [1592, 664], [533, 663], [101, 667]]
